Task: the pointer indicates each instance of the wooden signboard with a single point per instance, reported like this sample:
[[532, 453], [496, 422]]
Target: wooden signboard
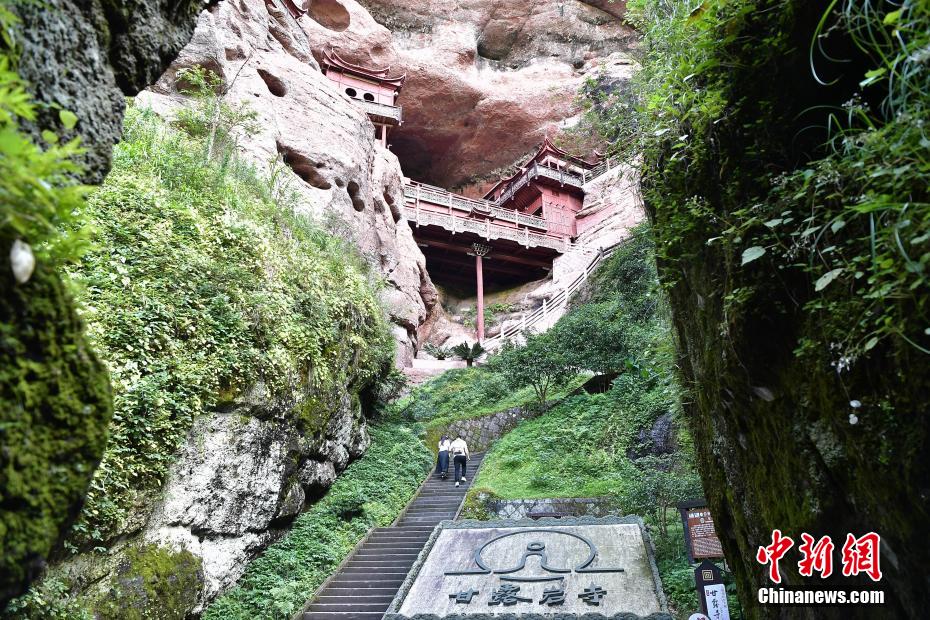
[[711, 591], [700, 535]]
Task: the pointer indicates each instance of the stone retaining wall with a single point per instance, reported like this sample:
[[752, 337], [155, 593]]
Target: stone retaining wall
[[481, 432], [563, 506]]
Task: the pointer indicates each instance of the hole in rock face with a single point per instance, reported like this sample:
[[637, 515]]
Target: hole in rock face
[[275, 85], [235, 53], [303, 167], [329, 14], [357, 203]]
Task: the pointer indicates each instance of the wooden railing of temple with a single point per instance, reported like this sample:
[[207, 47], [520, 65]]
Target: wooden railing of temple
[[602, 168], [394, 112], [552, 304], [470, 215], [464, 214]]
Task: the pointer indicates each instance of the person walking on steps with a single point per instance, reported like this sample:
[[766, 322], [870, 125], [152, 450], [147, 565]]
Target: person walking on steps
[[459, 458], [442, 460]]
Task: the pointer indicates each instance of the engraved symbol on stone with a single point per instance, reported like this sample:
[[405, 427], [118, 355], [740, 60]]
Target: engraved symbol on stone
[[553, 597], [507, 595], [593, 594], [538, 549], [464, 596]]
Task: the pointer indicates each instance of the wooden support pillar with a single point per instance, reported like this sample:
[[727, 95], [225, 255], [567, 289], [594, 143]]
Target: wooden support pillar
[[480, 251]]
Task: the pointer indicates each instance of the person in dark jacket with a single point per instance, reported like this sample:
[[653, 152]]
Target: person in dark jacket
[[442, 460]]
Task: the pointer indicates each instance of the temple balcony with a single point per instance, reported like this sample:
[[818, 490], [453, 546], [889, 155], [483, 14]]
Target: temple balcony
[[426, 205], [382, 112], [535, 171]]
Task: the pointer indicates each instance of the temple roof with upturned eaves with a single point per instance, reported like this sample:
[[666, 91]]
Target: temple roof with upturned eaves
[[332, 59]]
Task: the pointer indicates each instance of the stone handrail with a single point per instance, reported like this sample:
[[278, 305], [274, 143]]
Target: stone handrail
[[550, 304], [602, 168]]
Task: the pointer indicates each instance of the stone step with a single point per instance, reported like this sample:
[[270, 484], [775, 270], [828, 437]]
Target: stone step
[[316, 607], [375, 565], [372, 572], [364, 592], [345, 615], [353, 582], [348, 599], [399, 541], [365, 552]]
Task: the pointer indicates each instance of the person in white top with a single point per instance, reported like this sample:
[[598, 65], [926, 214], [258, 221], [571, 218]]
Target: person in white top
[[442, 458], [459, 457]]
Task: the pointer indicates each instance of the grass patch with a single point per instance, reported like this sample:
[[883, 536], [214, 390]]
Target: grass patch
[[370, 493]]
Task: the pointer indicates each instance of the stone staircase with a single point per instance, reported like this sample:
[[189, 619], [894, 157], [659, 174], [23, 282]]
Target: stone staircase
[[366, 584]]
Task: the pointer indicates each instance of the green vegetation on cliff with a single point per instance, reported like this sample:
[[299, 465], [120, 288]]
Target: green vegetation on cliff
[[54, 394], [785, 166], [203, 285], [370, 493]]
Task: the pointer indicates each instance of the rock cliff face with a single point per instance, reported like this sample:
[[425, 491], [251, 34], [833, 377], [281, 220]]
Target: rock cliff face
[[87, 56], [485, 80], [345, 179]]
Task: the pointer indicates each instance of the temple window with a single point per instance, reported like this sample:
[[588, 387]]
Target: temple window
[[368, 97], [351, 92]]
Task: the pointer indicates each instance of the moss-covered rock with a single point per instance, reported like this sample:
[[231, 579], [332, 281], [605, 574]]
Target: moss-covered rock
[[54, 409], [153, 583], [87, 56], [800, 422]]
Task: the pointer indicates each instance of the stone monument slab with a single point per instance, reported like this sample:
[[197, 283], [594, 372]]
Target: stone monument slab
[[566, 567]]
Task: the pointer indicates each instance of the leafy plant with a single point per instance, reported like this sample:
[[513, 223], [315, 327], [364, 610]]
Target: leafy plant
[[438, 352], [467, 352], [542, 363], [204, 285], [211, 117]]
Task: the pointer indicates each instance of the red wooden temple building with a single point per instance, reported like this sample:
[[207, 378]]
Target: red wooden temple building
[[374, 90], [513, 234], [509, 237]]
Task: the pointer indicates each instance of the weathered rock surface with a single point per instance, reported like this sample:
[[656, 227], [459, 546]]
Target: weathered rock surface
[[485, 80], [87, 56], [239, 481], [343, 177]]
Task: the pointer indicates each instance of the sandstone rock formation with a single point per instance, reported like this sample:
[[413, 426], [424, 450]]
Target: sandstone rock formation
[[344, 178], [241, 479], [485, 80]]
